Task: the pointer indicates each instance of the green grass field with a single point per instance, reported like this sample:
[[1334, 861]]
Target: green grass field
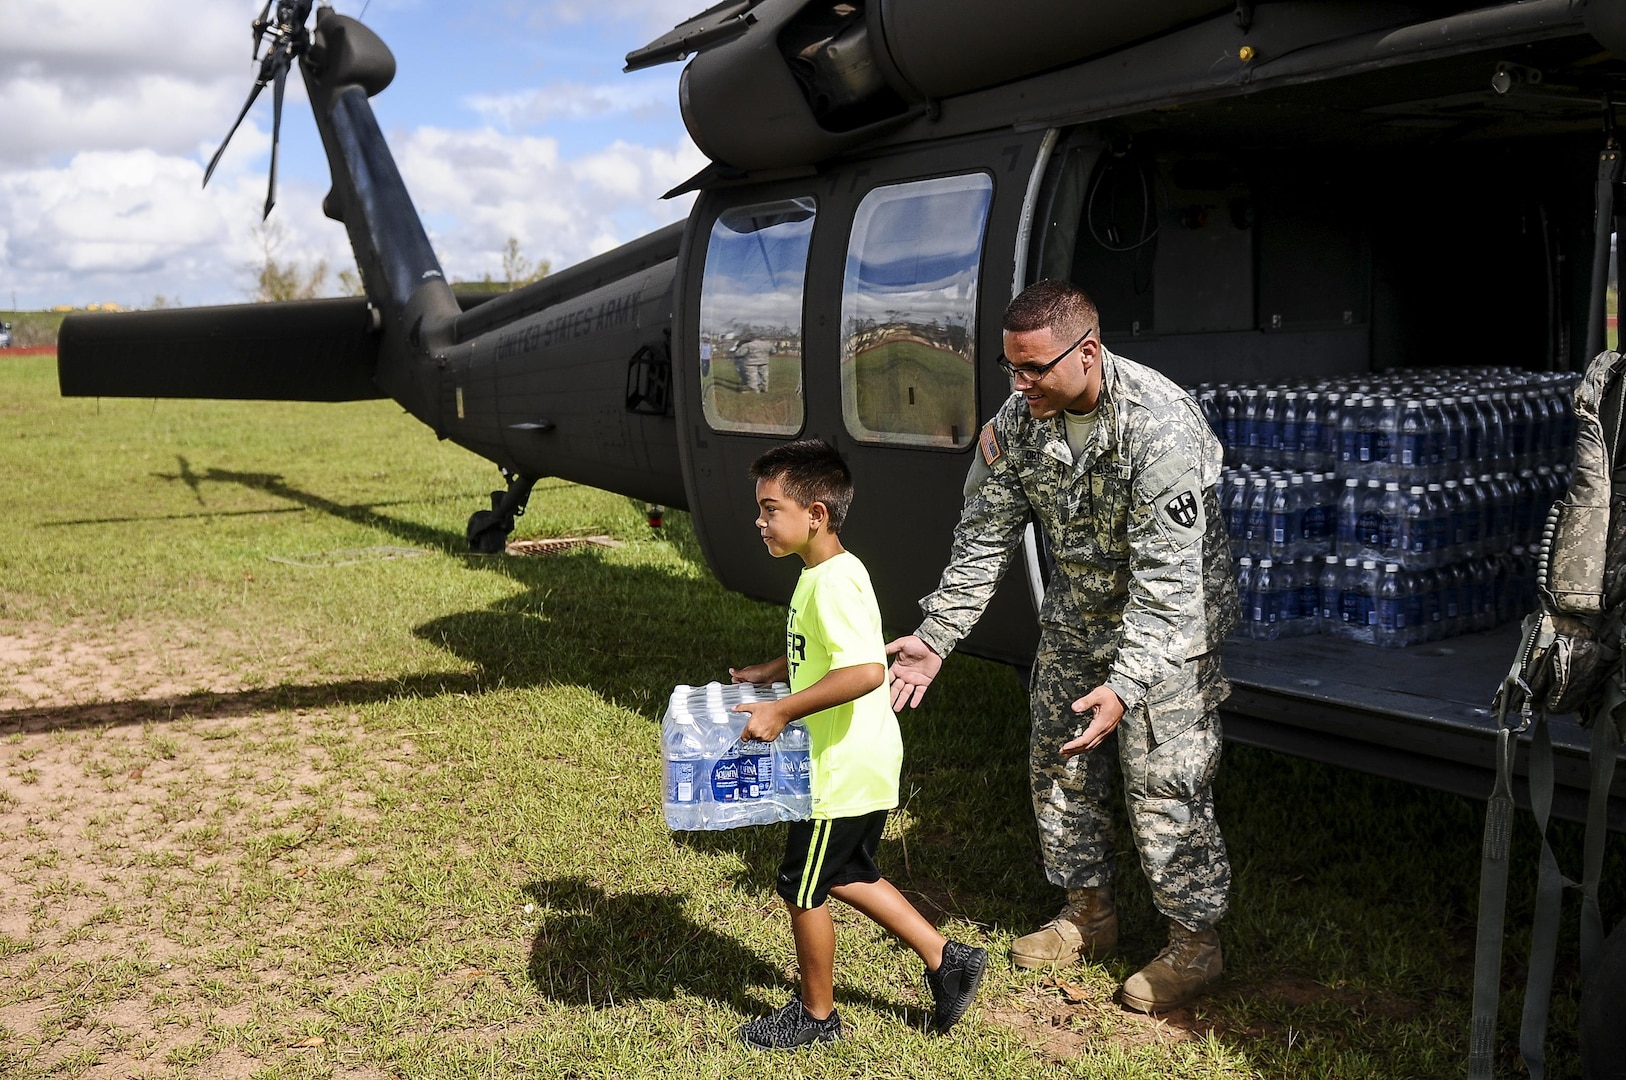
[[277, 806]]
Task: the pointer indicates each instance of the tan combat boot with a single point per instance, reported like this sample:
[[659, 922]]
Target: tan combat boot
[[1189, 965], [1087, 928]]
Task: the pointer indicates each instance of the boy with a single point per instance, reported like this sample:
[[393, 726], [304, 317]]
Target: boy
[[835, 663]]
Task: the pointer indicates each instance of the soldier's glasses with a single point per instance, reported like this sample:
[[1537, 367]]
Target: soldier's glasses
[[1034, 373]]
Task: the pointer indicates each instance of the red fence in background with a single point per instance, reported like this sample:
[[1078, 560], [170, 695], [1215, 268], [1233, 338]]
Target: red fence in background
[[29, 350]]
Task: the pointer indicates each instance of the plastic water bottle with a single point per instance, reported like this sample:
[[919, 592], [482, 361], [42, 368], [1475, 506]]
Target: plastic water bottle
[[1283, 530], [1288, 615], [756, 778], [1267, 603], [1386, 440], [1256, 533], [685, 772], [1311, 437], [1473, 516], [1415, 535], [1412, 461], [1350, 462], [1269, 430], [1328, 588], [1244, 593], [1451, 416], [1248, 429], [1351, 612], [1231, 416], [1390, 508], [793, 780], [1432, 611], [1369, 522], [1308, 572], [1349, 518], [1494, 443], [1389, 630], [723, 758], [1291, 454]]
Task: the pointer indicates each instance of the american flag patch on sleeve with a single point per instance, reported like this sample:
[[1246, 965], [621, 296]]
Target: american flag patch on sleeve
[[989, 442]]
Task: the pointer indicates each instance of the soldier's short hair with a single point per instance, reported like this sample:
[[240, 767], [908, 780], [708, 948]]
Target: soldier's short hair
[[1059, 306], [810, 471]]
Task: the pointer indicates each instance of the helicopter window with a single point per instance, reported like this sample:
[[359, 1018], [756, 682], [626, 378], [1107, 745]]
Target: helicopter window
[[751, 318], [909, 309]]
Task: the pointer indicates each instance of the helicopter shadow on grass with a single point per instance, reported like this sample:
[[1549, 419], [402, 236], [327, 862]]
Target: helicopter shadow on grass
[[579, 619], [600, 948]]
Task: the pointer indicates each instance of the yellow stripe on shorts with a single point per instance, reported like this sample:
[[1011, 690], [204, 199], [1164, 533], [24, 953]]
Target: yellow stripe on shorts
[[816, 848]]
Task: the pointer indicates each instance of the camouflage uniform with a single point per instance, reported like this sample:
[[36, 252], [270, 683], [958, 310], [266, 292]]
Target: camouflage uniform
[[1140, 598], [751, 361]]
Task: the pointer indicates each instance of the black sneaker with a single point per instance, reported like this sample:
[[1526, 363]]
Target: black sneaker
[[955, 983], [790, 1028]]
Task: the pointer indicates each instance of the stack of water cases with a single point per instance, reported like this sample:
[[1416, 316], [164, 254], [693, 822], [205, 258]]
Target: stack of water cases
[[1393, 510], [714, 780]]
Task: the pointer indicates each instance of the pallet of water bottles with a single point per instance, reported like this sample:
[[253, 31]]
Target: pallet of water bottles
[[717, 779], [1390, 512], [1412, 425]]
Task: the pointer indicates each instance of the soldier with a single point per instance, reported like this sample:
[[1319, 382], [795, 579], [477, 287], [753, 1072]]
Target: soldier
[[751, 361], [1119, 468]]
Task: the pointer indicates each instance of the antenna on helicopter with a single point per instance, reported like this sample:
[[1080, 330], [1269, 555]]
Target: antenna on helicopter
[[289, 40]]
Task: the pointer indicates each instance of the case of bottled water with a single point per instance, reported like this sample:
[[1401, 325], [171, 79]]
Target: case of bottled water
[[714, 779], [1445, 473]]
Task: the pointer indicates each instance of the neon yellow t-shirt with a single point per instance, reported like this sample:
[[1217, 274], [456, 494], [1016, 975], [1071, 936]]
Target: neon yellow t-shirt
[[857, 750]]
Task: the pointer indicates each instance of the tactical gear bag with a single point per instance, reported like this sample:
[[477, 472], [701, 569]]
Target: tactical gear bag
[[1571, 645], [1568, 661]]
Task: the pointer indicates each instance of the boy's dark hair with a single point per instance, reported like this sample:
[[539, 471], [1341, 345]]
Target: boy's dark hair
[[1059, 306], [810, 471]]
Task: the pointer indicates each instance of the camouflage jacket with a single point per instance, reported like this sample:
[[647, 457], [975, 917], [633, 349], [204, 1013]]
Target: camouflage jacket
[[1139, 549]]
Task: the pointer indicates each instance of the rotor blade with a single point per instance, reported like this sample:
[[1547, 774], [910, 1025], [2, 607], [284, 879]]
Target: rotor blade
[[276, 135], [252, 94], [259, 26]]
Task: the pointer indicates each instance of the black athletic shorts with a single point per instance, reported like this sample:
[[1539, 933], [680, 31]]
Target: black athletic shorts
[[820, 854]]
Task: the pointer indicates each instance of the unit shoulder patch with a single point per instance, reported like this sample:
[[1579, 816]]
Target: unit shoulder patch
[[1184, 509], [1179, 510]]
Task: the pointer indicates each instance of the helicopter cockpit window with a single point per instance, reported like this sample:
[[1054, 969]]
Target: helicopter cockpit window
[[751, 318], [908, 312]]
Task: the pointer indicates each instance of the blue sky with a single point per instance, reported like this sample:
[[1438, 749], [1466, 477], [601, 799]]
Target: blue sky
[[506, 119]]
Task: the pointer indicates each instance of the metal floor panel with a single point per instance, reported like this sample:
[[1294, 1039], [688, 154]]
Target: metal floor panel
[[1421, 715]]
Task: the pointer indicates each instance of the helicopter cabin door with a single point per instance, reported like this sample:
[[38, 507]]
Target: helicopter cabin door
[[860, 306]]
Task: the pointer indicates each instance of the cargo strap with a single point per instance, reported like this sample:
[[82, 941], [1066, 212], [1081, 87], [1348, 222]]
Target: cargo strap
[[1492, 906], [1549, 888]]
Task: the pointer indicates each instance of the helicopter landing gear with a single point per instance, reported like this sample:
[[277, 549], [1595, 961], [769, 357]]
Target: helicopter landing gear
[[488, 530]]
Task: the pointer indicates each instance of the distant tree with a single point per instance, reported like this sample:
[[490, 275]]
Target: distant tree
[[517, 269], [283, 280], [350, 283], [159, 301]]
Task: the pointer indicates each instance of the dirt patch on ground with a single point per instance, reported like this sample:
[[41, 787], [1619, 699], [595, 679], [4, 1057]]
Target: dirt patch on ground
[[78, 664], [1062, 1017], [141, 840]]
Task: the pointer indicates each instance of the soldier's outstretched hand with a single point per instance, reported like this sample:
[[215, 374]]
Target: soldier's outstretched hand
[[1108, 709], [914, 667]]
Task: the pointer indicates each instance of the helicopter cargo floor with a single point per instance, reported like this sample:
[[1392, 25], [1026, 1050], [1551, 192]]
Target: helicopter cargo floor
[[1420, 715]]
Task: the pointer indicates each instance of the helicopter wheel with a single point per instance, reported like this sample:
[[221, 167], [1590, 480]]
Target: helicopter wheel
[[487, 532]]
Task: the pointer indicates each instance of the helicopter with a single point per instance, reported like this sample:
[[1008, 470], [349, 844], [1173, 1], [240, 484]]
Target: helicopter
[[1249, 190]]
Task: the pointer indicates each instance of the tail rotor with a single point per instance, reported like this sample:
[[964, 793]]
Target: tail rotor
[[288, 41]]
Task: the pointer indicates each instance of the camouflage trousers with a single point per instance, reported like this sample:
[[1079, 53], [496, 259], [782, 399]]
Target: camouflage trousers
[[1167, 749]]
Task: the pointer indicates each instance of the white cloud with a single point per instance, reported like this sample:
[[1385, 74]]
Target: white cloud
[[109, 110], [125, 226], [571, 101], [99, 75], [488, 186]]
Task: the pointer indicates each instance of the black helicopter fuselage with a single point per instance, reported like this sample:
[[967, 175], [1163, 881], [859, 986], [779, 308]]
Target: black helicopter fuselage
[[1251, 192]]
